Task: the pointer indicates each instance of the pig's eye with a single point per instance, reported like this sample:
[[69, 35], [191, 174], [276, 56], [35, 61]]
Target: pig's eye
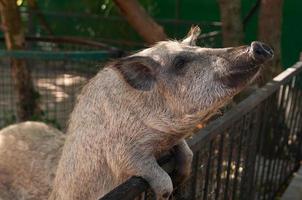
[[179, 64]]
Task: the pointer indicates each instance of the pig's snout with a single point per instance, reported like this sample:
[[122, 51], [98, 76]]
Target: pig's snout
[[261, 52]]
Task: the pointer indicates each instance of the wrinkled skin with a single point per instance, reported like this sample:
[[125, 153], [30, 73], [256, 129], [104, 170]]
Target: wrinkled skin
[[143, 105]]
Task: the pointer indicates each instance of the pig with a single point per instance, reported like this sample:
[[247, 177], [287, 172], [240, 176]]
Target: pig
[[142, 105], [29, 155]]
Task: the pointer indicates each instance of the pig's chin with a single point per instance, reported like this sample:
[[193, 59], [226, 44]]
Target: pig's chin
[[240, 76]]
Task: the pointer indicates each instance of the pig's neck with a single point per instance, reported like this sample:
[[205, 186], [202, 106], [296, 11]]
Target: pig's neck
[[180, 126], [171, 122]]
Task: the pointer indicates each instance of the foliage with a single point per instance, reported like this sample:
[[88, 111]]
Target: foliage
[[99, 20]]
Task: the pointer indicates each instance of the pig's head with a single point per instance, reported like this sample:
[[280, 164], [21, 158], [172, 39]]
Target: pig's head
[[191, 79]]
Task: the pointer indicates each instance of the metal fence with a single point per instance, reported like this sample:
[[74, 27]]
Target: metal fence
[[249, 153]]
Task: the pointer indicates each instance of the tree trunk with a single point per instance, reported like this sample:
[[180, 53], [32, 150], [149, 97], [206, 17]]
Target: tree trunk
[[232, 27], [35, 10], [270, 24], [270, 20], [14, 40], [139, 19]]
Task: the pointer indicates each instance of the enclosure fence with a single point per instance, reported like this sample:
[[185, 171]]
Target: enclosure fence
[[249, 153], [59, 67]]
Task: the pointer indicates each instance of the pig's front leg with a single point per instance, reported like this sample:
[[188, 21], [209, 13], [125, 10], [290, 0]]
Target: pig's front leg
[[158, 179], [183, 157]]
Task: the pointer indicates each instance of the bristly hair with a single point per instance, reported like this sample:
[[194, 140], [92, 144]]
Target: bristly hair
[[259, 78]]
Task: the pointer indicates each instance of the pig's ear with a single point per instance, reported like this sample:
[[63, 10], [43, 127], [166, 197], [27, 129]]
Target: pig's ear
[[192, 36], [138, 72]]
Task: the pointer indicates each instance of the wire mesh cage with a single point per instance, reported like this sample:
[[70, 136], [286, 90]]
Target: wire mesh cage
[[58, 72]]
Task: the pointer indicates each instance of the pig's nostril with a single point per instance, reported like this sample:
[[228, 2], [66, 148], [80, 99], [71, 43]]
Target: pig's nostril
[[261, 50], [267, 49]]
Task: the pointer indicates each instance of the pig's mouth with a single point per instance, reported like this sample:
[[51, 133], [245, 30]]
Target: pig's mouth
[[247, 64]]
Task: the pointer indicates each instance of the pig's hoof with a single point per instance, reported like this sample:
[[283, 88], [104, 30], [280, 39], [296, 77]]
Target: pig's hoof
[[164, 193]]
